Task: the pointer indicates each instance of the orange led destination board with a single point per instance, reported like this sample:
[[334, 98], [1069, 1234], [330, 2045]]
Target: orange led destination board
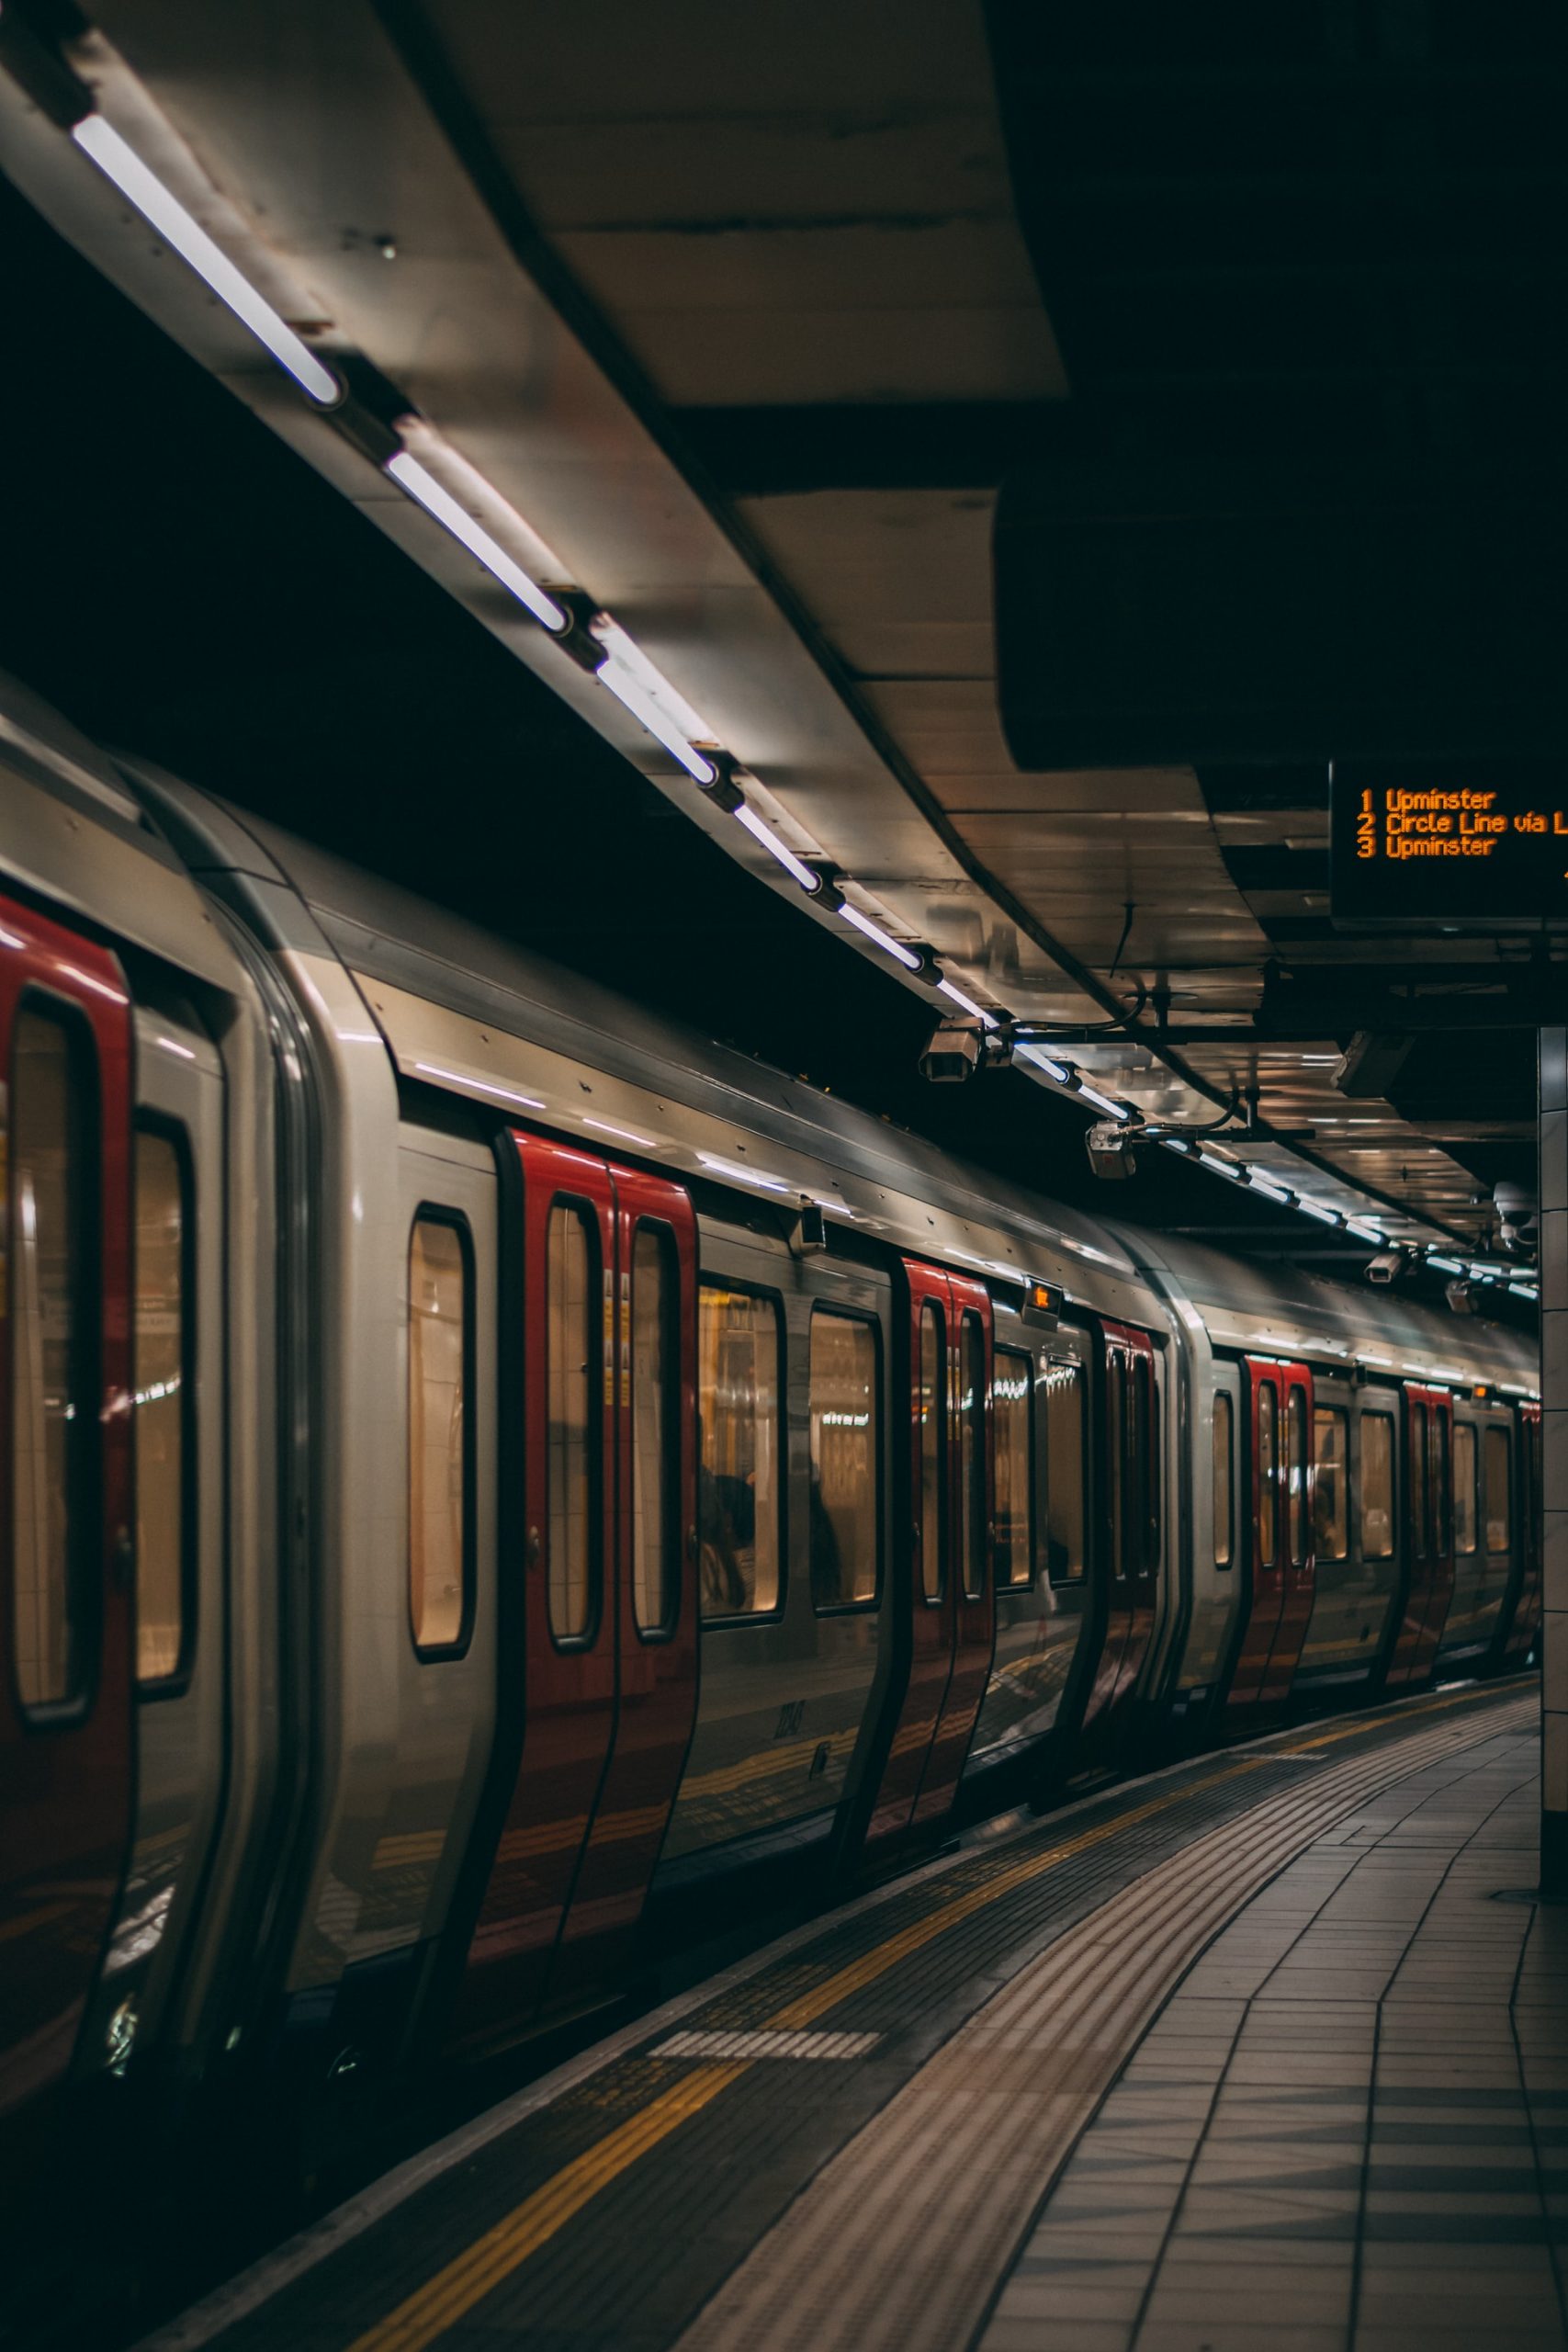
[[1485, 848]]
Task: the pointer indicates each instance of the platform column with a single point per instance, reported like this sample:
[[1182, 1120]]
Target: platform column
[[1554, 1461]]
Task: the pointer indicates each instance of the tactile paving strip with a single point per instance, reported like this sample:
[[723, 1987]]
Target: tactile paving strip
[[611, 2216]]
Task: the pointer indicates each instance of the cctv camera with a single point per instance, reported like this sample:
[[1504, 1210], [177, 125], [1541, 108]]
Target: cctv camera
[[1386, 1266], [1110, 1148], [953, 1052]]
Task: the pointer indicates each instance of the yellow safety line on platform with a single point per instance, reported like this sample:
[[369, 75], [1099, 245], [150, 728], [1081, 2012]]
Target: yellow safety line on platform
[[471, 2275], [474, 2273]]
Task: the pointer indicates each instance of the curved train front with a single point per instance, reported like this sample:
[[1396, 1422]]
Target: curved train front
[[493, 1485]]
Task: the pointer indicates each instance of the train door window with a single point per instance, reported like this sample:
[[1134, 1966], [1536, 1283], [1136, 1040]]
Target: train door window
[[1116, 1458], [846, 1423], [930, 1406], [1499, 1516], [162, 1405], [570, 1479], [1146, 1466], [1465, 1514], [1330, 1491], [440, 1435], [1418, 1480], [1438, 1466], [1377, 1485], [1296, 1484], [1221, 1434], [739, 1480], [655, 1409], [972, 1455], [54, 1316], [1065, 1394], [1012, 1389], [1268, 1473]]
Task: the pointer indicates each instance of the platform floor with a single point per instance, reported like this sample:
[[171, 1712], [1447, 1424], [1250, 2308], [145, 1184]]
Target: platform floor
[[1259, 2051]]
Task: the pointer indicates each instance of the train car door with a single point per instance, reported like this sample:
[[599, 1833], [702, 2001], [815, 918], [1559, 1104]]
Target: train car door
[[970, 1541], [1280, 1557], [1429, 1580], [1521, 1608], [946, 1611], [1131, 1520], [655, 1412], [608, 1372], [66, 1500]]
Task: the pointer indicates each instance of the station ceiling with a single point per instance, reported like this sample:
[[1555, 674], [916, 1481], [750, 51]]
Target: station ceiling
[[752, 317]]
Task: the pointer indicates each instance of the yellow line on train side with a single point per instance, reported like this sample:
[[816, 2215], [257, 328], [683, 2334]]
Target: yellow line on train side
[[464, 2281], [481, 2267]]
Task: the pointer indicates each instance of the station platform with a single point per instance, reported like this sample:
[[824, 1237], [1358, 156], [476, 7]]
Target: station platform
[[1266, 2050]]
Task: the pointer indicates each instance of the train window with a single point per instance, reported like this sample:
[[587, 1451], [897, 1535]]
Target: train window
[[1465, 1514], [1221, 1434], [1012, 1389], [1437, 1464], [739, 1486], [572, 1465], [1296, 1475], [846, 1422], [53, 1316], [1498, 1467], [1418, 1480], [163, 1405], [1268, 1473], [1116, 1457], [1330, 1491], [1377, 1485], [655, 1403], [1066, 1393], [440, 1438], [931, 1410], [972, 1455]]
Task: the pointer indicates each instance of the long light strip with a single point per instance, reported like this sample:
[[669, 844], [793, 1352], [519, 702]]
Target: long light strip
[[806, 875], [423, 486], [103, 145], [1319, 1209], [1267, 1186], [880, 938], [980, 1013], [1444, 1265], [1364, 1231], [1524, 1290], [1042, 1060], [653, 702], [1117, 1111], [1219, 1167]]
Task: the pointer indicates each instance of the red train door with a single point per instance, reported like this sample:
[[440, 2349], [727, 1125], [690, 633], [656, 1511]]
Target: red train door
[[656, 1604], [1131, 1518], [971, 1547], [949, 1627], [609, 1613], [1283, 1567], [66, 1599], [1428, 1523]]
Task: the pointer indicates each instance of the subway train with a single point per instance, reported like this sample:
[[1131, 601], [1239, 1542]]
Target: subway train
[[490, 1480]]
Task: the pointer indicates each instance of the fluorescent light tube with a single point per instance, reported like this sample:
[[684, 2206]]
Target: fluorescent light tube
[[1319, 1209], [653, 702], [1219, 1167], [968, 1004], [1058, 1070], [1267, 1186], [163, 210], [1117, 1111], [1444, 1265], [1366, 1231], [1524, 1290], [880, 938], [808, 877], [423, 486]]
